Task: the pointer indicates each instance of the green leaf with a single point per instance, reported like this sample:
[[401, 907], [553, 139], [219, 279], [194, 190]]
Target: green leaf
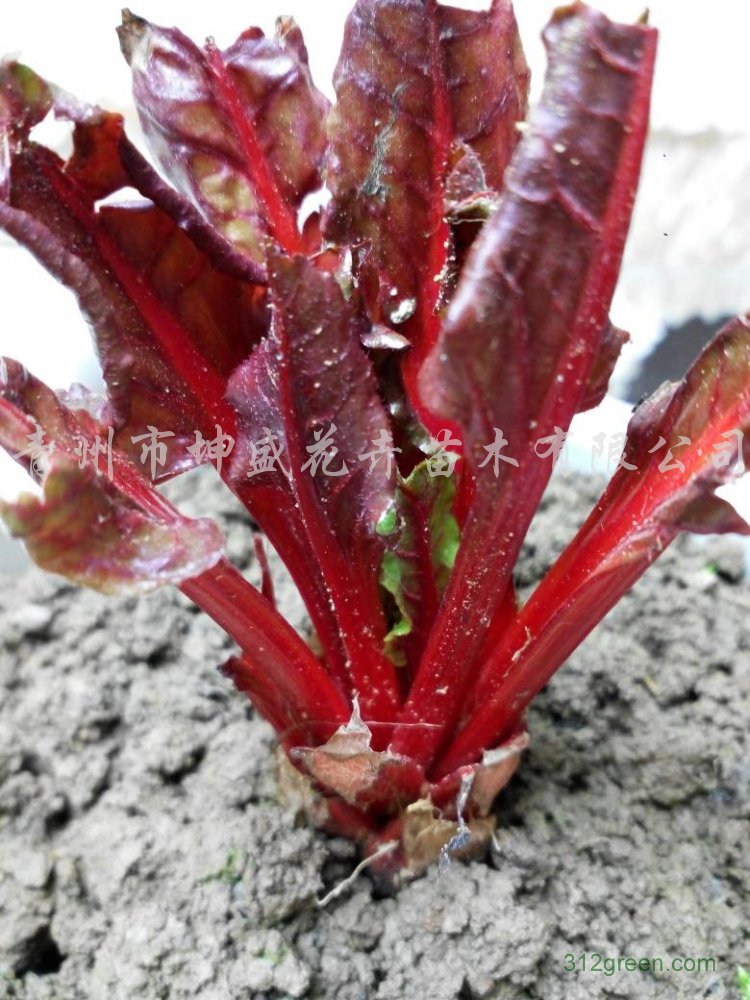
[[392, 577], [743, 981], [424, 538], [444, 530]]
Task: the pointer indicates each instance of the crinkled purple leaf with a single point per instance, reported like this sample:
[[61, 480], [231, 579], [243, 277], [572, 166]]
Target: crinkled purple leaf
[[309, 389], [487, 80], [683, 443], [169, 324], [85, 530], [104, 525], [241, 132], [99, 522], [415, 80], [35, 421], [515, 355]]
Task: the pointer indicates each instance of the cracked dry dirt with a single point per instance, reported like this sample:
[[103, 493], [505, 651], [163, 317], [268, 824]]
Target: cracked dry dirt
[[143, 851]]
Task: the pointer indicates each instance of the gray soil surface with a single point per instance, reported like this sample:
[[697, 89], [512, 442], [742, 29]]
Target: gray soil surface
[[144, 853]]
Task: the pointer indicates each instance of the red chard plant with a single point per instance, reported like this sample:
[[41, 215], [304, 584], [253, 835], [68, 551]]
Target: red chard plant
[[383, 382]]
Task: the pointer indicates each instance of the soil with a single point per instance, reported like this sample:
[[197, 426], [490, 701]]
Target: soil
[[144, 852]]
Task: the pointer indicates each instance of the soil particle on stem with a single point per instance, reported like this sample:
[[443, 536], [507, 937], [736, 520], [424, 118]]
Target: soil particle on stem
[[144, 853]]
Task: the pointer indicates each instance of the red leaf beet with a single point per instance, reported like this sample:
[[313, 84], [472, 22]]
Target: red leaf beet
[[382, 385]]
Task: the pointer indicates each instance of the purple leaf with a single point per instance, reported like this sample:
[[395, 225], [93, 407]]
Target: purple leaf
[[169, 324], [240, 132], [414, 82], [99, 522], [683, 443], [308, 396], [513, 360], [608, 354], [85, 530]]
